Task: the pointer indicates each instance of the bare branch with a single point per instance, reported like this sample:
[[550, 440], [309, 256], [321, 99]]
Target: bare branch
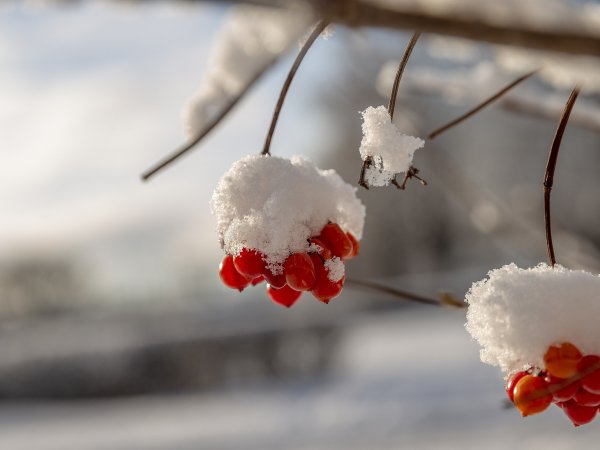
[[551, 167], [445, 298], [288, 81], [479, 107]]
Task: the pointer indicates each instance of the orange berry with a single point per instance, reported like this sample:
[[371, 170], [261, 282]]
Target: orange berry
[[531, 395], [561, 361]]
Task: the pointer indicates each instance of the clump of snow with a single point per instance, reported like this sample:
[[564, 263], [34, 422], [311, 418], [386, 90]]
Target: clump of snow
[[252, 39], [336, 269], [390, 150], [516, 314], [274, 205]]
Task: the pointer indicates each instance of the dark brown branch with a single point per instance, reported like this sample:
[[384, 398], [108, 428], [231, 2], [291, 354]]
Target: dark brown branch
[[288, 81], [479, 107], [462, 24], [168, 160], [445, 299], [551, 167], [392, 104], [400, 72]]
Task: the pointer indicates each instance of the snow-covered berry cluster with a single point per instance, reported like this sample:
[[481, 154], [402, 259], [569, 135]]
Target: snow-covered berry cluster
[[539, 326], [289, 223], [570, 380], [320, 270]]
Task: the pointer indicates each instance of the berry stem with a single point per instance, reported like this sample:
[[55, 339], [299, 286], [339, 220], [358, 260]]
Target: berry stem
[[400, 293], [392, 104], [551, 167], [480, 106], [288, 81]]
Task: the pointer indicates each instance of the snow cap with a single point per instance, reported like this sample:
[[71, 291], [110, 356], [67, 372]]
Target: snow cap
[[516, 314], [390, 150], [274, 205]]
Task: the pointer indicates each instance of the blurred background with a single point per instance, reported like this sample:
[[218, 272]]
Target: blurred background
[[115, 331]]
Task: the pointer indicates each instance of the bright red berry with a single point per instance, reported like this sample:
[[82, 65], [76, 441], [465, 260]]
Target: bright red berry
[[324, 289], [337, 241], [585, 398], [258, 280], [277, 281], [579, 415], [512, 381], [531, 395], [230, 276], [355, 245], [561, 360], [324, 250], [286, 296], [591, 380], [299, 272], [565, 389], [250, 263]]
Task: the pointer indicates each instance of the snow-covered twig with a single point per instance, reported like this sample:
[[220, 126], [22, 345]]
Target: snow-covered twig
[[551, 167], [391, 107]]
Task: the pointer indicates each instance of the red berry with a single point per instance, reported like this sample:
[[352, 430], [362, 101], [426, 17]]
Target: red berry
[[561, 360], [324, 251], [258, 280], [585, 398], [230, 276], [591, 379], [277, 281], [355, 245], [337, 241], [531, 395], [579, 415], [250, 263], [512, 381], [286, 296], [324, 289], [299, 272], [566, 389]]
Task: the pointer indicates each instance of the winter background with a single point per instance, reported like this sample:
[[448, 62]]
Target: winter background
[[115, 330]]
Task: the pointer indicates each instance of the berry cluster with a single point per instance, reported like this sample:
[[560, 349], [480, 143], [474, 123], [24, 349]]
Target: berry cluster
[[319, 270], [570, 380]]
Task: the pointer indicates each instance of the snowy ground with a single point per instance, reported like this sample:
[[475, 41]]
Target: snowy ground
[[407, 379]]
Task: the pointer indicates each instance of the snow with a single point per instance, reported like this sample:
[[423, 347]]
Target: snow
[[406, 379], [251, 40], [335, 269], [274, 205], [390, 150], [516, 314]]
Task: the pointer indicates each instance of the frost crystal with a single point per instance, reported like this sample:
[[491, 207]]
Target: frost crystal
[[390, 150], [274, 205], [252, 39], [335, 269], [516, 314]]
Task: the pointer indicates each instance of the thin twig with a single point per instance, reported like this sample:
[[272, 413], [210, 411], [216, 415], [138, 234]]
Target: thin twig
[[288, 81], [168, 160], [392, 104], [445, 299], [400, 72], [482, 105], [551, 167]]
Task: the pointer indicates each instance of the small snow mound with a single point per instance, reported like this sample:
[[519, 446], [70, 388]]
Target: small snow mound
[[274, 205], [335, 269], [516, 314], [391, 151]]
